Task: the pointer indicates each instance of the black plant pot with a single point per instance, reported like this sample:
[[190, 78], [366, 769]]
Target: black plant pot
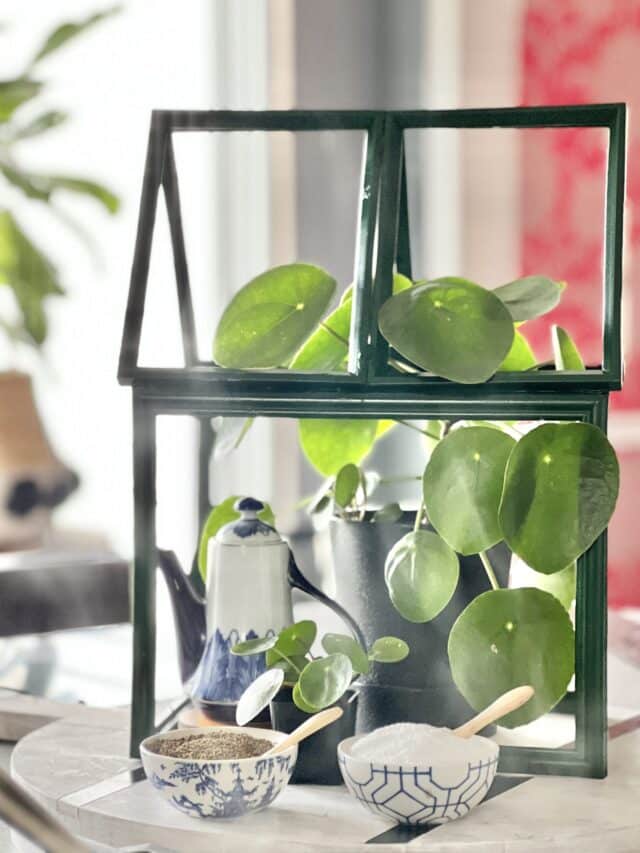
[[420, 688], [317, 762]]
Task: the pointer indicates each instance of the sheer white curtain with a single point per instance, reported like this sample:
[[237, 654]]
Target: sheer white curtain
[[109, 80]]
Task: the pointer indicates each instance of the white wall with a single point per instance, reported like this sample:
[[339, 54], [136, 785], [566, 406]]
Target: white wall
[[151, 55]]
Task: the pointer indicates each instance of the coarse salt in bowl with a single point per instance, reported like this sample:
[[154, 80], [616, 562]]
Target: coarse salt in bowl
[[218, 788], [414, 773]]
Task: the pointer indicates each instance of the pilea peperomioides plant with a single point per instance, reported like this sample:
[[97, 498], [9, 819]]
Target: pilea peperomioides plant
[[548, 496], [547, 491], [317, 682]]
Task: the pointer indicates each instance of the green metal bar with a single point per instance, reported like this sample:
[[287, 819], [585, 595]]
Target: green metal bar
[[574, 407], [295, 120], [144, 588], [612, 322], [185, 304], [369, 193], [387, 243], [250, 382], [582, 115], [403, 254], [591, 642], [142, 252], [541, 761], [206, 444]]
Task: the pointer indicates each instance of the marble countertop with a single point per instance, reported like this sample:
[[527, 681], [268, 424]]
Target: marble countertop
[[78, 767]]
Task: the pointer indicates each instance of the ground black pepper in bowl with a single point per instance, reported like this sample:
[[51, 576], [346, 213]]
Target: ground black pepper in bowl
[[212, 746]]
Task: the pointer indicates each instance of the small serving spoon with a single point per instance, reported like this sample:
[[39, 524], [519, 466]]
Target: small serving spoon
[[509, 701], [309, 727]]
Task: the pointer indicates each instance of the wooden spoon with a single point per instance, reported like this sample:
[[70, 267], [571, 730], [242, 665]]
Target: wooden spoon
[[509, 701], [309, 727]]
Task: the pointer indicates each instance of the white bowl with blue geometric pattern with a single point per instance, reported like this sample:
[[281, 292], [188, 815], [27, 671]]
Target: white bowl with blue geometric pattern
[[436, 793], [218, 789]]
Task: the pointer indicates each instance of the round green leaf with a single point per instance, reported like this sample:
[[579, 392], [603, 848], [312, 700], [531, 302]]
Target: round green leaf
[[509, 637], [462, 486], [229, 434], [252, 647], [291, 672], [328, 347], [421, 573], [334, 643], [326, 350], [323, 681], [297, 639], [565, 353], [346, 485], [258, 695], [300, 703], [520, 356], [400, 282], [269, 318], [217, 518], [388, 650], [560, 490], [530, 297], [388, 513], [451, 327], [330, 444], [322, 499], [561, 584]]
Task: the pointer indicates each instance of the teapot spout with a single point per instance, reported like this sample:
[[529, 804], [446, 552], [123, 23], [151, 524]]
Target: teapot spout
[[189, 614]]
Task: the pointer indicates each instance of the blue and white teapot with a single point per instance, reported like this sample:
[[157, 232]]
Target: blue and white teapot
[[250, 574]]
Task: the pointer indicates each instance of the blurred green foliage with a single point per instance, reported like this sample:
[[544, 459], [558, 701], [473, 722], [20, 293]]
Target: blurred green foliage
[[24, 268]]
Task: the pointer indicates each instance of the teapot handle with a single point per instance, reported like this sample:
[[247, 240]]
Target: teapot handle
[[298, 581]]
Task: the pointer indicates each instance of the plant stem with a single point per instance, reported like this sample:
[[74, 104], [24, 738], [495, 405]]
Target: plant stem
[[402, 367], [486, 562], [541, 364], [414, 427], [331, 331], [419, 517], [288, 660]]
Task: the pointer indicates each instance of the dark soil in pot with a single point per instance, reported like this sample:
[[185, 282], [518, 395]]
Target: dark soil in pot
[[317, 762], [420, 688]]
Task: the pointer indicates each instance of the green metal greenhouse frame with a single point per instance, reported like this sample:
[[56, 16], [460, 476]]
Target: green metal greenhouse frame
[[370, 388]]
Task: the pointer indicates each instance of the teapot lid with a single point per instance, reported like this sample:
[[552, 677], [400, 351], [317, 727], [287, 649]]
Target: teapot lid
[[248, 529]]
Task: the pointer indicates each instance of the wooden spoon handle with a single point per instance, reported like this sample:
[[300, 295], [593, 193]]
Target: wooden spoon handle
[[509, 701], [309, 727]]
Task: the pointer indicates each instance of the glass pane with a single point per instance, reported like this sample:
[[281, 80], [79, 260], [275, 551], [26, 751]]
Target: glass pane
[[254, 201], [356, 537], [495, 205]]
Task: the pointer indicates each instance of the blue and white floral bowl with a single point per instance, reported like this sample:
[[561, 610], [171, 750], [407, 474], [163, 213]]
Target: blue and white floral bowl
[[229, 788], [436, 793]]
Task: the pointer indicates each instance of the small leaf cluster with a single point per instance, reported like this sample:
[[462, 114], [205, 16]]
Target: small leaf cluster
[[317, 682], [346, 496], [24, 268]]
